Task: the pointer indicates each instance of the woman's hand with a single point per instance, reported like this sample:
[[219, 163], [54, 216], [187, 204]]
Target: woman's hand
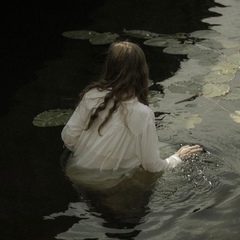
[[186, 150]]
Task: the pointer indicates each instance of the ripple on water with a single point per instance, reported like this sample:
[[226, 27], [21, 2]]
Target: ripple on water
[[155, 205], [181, 192]]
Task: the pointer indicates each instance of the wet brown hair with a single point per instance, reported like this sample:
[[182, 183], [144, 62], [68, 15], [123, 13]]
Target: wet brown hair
[[125, 74]]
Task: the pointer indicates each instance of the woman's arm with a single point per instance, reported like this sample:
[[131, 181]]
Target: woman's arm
[[148, 151], [75, 126]]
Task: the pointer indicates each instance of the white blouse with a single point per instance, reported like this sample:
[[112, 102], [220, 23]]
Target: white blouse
[[128, 140]]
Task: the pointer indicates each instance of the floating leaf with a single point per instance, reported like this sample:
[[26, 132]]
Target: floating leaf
[[234, 58], [208, 62], [226, 43], [206, 56], [103, 38], [198, 53], [236, 116], [217, 77], [53, 118], [141, 34], [234, 94], [211, 43], [161, 42], [79, 34], [204, 34], [191, 121], [185, 87], [215, 90], [181, 49], [225, 68]]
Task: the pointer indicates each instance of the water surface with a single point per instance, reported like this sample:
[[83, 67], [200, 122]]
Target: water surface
[[197, 200]]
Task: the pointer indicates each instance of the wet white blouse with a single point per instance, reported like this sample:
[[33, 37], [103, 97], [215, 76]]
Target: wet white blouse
[[128, 140]]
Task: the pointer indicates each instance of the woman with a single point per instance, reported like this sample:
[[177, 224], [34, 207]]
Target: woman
[[112, 128]]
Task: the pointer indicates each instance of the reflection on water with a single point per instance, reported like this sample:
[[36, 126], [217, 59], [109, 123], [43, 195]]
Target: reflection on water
[[144, 203], [114, 211]]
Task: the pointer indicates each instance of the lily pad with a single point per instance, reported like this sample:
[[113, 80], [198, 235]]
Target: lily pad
[[79, 34], [207, 57], [234, 58], [161, 42], [236, 116], [216, 77], [204, 34], [103, 38], [234, 94], [215, 90], [181, 49], [53, 118], [225, 68], [208, 62], [226, 43], [211, 43], [186, 87], [141, 34], [192, 120]]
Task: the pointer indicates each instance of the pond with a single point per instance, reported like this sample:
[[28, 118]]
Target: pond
[[192, 48]]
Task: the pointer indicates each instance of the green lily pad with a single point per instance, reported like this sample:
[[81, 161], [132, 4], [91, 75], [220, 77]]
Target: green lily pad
[[225, 68], [208, 62], [191, 87], [236, 116], [192, 120], [198, 53], [232, 96], [216, 77], [103, 38], [211, 43], [53, 118], [215, 90], [204, 34], [79, 34], [141, 34], [181, 49], [226, 43], [234, 59], [161, 42]]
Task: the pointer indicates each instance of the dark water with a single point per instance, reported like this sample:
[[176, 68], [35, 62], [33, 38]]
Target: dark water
[[43, 70]]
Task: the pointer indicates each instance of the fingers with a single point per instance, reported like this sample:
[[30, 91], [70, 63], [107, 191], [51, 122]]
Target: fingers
[[189, 150], [195, 150]]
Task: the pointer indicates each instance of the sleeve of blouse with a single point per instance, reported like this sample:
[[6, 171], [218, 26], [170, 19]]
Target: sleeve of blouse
[[148, 151], [74, 127]]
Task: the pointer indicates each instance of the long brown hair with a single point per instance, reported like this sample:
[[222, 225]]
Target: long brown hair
[[125, 75]]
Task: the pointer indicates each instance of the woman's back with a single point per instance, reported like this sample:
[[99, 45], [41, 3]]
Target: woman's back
[[116, 145]]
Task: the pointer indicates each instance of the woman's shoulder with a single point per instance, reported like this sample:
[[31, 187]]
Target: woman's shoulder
[[143, 110], [95, 93], [140, 116], [93, 98]]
